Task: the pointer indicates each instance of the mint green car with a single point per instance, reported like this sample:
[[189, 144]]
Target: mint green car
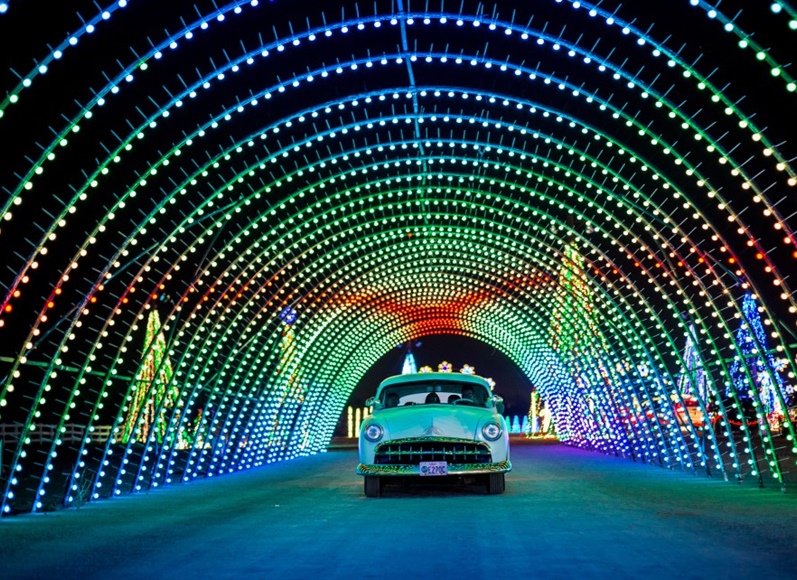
[[434, 425]]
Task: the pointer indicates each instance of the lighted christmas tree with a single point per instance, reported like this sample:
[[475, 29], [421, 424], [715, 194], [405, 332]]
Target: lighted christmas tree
[[574, 331], [574, 335], [692, 380], [763, 368], [569, 332], [287, 367], [515, 427], [409, 365], [153, 394], [534, 412]]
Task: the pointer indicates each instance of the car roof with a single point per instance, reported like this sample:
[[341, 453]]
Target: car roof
[[440, 377]]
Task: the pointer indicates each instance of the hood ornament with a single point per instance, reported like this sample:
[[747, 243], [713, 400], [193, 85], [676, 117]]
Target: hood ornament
[[431, 431]]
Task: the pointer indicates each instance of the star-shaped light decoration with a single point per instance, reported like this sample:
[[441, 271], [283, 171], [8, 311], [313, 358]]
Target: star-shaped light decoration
[[467, 370], [288, 315], [444, 367]]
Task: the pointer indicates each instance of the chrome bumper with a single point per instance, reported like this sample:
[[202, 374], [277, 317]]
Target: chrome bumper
[[453, 469]]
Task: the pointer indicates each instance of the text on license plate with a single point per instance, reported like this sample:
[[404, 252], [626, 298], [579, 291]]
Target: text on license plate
[[434, 468]]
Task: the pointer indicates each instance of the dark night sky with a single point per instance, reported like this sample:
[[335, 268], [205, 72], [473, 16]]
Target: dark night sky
[[510, 382]]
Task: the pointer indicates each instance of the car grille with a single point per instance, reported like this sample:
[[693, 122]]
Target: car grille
[[413, 451]]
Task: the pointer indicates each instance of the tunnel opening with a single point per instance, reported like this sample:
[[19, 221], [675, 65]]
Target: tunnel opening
[[456, 352]]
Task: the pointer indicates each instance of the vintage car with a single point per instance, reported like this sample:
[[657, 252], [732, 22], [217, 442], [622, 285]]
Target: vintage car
[[434, 425]]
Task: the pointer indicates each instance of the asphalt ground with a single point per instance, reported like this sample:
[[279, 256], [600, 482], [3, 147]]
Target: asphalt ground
[[566, 513]]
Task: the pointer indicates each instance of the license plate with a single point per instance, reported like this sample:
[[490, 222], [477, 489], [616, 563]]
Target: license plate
[[434, 468]]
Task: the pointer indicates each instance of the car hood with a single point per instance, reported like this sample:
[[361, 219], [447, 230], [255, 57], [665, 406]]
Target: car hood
[[443, 420]]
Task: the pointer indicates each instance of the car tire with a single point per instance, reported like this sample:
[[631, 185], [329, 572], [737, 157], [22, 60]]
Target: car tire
[[495, 483], [373, 486]]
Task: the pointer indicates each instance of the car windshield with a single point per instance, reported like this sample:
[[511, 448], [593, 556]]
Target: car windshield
[[434, 392]]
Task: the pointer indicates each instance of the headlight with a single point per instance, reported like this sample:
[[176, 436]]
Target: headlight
[[373, 432], [491, 431]]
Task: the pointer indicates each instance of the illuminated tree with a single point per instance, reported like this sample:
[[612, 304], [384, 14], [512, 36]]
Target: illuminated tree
[[534, 411], [409, 366], [692, 381], [754, 358], [153, 394], [515, 426], [524, 428], [575, 337]]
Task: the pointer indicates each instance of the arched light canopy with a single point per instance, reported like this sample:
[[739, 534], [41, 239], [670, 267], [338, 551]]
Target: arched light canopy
[[216, 217]]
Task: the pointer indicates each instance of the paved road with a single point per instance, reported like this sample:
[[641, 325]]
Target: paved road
[[566, 514]]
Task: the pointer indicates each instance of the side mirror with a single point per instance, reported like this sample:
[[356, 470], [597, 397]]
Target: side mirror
[[372, 402], [499, 404]]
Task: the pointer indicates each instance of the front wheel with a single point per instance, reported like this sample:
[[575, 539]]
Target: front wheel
[[373, 486], [495, 483]]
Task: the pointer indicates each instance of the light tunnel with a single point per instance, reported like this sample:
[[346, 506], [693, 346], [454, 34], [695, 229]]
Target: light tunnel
[[217, 216]]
